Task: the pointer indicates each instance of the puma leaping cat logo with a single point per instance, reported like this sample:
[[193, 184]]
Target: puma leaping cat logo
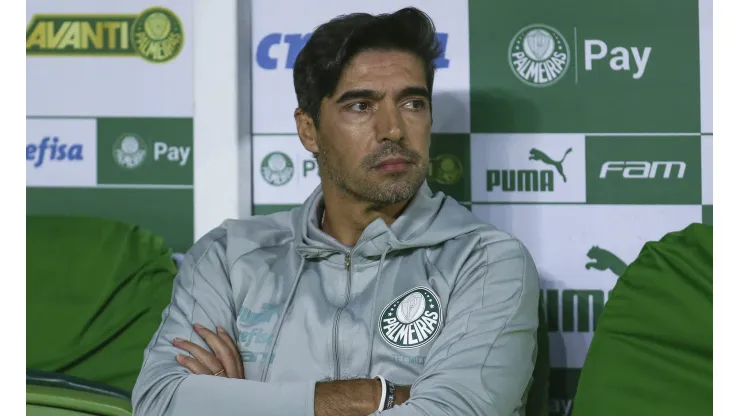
[[536, 154], [605, 260]]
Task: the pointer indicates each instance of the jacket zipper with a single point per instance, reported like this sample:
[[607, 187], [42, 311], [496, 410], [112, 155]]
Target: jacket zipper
[[348, 266]]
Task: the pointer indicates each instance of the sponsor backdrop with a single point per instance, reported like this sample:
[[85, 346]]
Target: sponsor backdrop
[[583, 128], [109, 112]]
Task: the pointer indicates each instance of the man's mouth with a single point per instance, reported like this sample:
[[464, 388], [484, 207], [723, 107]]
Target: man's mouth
[[393, 164]]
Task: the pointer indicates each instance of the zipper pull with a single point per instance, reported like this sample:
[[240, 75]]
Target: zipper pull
[[347, 261]]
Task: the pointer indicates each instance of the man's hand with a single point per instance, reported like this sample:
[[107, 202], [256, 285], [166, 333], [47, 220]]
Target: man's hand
[[358, 397], [226, 362], [403, 393]]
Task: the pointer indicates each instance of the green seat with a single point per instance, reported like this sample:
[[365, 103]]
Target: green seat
[[96, 289], [49, 394], [651, 354]]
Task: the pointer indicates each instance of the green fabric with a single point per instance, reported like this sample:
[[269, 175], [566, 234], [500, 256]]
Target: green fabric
[[44, 400], [652, 350], [95, 292]]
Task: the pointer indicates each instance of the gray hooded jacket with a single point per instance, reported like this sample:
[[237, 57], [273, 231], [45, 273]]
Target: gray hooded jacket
[[439, 300]]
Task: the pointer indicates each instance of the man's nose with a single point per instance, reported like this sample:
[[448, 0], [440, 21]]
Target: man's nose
[[389, 123]]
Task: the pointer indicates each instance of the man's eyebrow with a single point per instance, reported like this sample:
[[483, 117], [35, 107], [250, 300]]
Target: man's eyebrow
[[361, 93], [412, 91]]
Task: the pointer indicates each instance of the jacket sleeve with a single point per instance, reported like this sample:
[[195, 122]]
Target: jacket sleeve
[[483, 360], [202, 294]]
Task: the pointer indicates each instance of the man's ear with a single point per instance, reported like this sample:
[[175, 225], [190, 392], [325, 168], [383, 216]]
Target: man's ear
[[307, 131]]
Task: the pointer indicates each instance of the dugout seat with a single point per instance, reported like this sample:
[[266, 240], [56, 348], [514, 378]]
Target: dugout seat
[[651, 354], [49, 394], [96, 289]]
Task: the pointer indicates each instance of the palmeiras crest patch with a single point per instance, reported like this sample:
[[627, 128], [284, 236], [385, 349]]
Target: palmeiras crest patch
[[412, 319]]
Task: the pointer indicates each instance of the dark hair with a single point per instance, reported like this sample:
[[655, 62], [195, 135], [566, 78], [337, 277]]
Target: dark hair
[[333, 44]]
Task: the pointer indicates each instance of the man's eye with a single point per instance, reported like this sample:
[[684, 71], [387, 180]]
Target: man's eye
[[362, 106], [416, 104]]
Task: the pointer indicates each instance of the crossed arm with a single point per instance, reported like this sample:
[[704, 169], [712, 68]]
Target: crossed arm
[[347, 397], [480, 364]]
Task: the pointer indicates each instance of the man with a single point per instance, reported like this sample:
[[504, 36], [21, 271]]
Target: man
[[374, 295]]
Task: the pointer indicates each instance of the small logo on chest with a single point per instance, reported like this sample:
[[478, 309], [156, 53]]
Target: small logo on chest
[[412, 319]]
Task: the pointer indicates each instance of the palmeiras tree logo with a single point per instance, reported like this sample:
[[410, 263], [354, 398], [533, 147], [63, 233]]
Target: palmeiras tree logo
[[157, 35], [277, 168], [412, 319], [445, 169], [129, 151], [539, 55]]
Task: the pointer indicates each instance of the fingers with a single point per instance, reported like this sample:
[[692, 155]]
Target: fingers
[[225, 355], [220, 348], [234, 350], [207, 361], [195, 366]]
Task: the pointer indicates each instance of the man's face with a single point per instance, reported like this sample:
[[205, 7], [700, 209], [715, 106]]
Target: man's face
[[374, 131]]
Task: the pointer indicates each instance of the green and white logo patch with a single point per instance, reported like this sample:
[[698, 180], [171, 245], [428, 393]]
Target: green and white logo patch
[[277, 168], [539, 55], [129, 151], [445, 169], [412, 319]]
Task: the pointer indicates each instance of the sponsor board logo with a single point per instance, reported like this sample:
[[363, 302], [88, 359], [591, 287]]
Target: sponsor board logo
[[578, 310], [445, 169], [130, 151], [53, 150], [156, 35], [277, 168], [605, 260], [529, 180], [643, 169], [540, 56]]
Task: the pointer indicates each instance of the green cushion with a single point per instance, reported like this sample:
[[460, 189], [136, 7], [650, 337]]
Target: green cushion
[[54, 401], [95, 292], [652, 349], [50, 394]]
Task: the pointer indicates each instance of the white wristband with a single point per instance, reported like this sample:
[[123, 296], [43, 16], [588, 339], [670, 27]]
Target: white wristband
[[383, 387]]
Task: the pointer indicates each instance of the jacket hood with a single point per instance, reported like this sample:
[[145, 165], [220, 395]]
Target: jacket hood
[[428, 220]]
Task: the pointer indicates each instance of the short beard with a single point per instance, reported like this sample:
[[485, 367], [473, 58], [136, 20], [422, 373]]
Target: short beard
[[378, 194]]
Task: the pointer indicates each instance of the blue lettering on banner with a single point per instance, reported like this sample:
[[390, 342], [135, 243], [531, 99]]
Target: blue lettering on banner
[[51, 150], [296, 42]]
